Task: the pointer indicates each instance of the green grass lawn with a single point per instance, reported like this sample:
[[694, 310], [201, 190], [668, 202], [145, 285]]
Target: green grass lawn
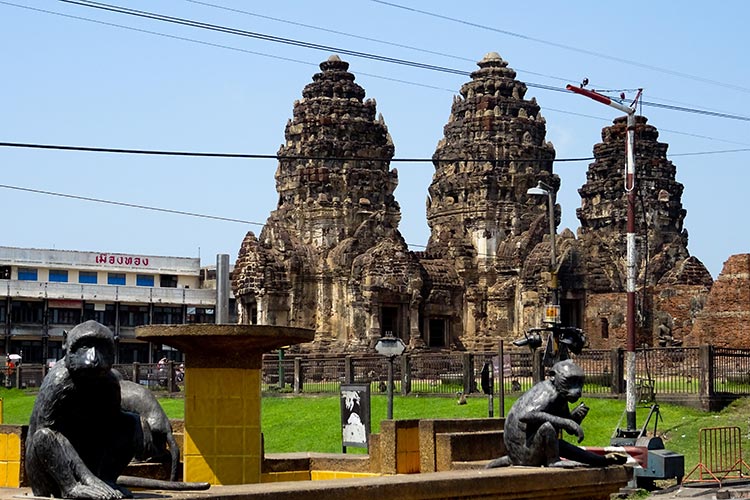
[[312, 423]]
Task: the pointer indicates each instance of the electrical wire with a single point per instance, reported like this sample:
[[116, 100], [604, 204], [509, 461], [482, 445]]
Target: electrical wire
[[365, 38], [157, 152], [260, 36], [366, 55], [128, 205], [320, 47], [567, 47], [154, 152], [723, 151]]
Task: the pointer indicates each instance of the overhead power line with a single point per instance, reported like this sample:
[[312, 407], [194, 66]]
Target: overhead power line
[[307, 63], [129, 205], [723, 151], [192, 40], [354, 53], [567, 47], [154, 152], [259, 36], [366, 38], [198, 154], [144, 207]]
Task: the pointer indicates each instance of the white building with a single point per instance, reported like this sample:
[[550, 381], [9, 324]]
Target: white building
[[43, 292]]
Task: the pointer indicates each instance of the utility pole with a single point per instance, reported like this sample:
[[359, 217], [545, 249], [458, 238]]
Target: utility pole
[[630, 389]]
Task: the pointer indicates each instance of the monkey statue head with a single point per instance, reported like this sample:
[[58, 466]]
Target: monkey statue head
[[567, 377], [89, 349]]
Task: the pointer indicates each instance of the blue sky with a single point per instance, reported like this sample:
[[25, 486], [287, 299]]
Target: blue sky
[[75, 82]]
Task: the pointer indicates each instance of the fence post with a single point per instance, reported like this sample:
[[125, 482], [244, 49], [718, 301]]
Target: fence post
[[618, 367], [349, 369], [468, 373], [405, 374], [171, 385], [298, 375], [706, 366], [135, 372], [537, 366]]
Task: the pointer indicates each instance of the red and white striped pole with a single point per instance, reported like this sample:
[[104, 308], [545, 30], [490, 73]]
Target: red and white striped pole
[[630, 389]]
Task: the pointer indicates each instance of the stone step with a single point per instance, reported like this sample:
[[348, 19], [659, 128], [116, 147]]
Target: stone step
[[467, 447]]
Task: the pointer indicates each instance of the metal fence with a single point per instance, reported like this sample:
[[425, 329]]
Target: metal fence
[[731, 371], [168, 377], [598, 365], [701, 372], [669, 370]]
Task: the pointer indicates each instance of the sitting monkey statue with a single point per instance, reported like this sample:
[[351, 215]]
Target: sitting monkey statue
[[79, 439], [536, 418], [159, 442]]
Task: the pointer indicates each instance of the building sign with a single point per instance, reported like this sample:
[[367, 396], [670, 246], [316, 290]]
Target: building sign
[[355, 415], [121, 260], [65, 304]]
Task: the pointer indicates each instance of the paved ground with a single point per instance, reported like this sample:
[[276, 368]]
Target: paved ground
[[739, 489]]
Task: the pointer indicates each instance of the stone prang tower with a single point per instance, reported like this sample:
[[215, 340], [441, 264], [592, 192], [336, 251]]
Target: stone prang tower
[[330, 256], [671, 285], [480, 215]]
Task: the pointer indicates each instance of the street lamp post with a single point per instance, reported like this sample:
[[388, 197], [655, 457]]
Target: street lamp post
[[543, 189], [390, 346]]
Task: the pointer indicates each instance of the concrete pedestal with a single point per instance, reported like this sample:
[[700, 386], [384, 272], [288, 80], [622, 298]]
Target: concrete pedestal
[[222, 394]]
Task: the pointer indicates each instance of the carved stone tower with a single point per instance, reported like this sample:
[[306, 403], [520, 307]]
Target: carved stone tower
[[671, 285], [480, 215], [330, 256], [661, 239]]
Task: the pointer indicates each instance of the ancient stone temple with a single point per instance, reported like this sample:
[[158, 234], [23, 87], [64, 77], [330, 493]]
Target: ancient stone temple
[[671, 285], [330, 256], [483, 222]]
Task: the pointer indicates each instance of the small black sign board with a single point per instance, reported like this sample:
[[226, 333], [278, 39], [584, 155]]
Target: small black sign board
[[355, 415]]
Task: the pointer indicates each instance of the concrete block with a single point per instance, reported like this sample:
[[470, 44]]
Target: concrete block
[[428, 429], [467, 447]]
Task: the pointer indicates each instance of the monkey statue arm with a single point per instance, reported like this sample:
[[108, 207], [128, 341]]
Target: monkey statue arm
[[579, 413], [537, 418]]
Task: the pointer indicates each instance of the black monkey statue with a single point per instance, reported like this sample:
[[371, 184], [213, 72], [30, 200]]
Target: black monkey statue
[[157, 429], [536, 418], [79, 438]]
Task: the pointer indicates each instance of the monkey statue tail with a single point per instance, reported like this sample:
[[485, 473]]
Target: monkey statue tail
[[159, 484], [503, 461]]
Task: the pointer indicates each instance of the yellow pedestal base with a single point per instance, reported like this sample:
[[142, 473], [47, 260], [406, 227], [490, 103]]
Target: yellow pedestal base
[[222, 425]]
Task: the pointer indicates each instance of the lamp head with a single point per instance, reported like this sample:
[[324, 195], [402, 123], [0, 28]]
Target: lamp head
[[541, 189]]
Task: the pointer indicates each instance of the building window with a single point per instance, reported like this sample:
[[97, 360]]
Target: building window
[[116, 278], [64, 316], [164, 315], [88, 277], [27, 274], [58, 275], [4, 272], [102, 313], [3, 312], [168, 281], [605, 328], [144, 280], [200, 315], [27, 312], [133, 315]]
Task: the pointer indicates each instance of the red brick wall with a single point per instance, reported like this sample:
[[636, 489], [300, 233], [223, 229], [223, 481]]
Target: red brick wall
[[725, 320]]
